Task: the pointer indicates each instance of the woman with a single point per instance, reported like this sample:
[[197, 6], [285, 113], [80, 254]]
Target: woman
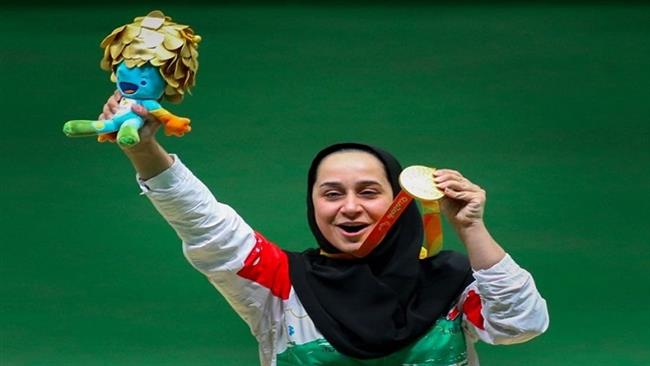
[[321, 307]]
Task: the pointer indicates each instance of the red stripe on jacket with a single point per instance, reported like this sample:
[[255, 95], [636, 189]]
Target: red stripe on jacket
[[268, 266], [472, 309]]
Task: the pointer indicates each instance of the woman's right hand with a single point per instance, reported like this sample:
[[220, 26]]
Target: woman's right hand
[[148, 157], [147, 132], [111, 106]]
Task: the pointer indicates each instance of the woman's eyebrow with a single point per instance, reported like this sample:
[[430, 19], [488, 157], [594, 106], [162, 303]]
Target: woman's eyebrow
[[330, 185], [368, 182], [338, 185]]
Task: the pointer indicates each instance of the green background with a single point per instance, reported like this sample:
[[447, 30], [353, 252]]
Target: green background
[[545, 106]]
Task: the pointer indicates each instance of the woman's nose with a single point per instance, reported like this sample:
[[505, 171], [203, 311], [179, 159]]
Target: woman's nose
[[351, 206]]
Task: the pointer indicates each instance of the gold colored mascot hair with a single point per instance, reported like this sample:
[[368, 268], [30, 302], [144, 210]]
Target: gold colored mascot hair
[[155, 39]]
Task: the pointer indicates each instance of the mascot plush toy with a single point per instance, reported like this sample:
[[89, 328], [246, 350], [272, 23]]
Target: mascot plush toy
[[149, 59]]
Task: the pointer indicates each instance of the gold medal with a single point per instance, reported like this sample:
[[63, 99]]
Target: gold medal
[[417, 181]]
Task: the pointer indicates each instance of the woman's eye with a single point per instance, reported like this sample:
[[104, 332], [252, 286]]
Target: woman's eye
[[369, 193], [332, 194]]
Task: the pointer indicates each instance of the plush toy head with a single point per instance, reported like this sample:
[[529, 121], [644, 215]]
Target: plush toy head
[[144, 82], [150, 58], [163, 44]]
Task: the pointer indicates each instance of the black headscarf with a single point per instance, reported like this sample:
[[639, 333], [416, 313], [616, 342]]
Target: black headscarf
[[373, 306]]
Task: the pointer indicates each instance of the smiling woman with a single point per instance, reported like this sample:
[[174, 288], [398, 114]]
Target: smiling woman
[[349, 196], [323, 306]]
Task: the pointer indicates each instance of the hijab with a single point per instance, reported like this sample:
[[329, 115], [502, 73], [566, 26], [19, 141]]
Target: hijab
[[373, 306]]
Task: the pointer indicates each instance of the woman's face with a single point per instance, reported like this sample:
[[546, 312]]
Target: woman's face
[[350, 195]]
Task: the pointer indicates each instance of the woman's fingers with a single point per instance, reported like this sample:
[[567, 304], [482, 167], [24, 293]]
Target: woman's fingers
[[451, 179], [440, 175], [114, 102], [144, 113], [140, 111], [455, 186], [111, 106], [477, 195], [106, 112], [464, 201], [458, 185], [151, 123], [457, 195]]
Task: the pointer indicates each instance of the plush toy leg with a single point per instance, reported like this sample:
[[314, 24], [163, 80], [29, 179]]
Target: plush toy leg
[[128, 136], [110, 137], [80, 128]]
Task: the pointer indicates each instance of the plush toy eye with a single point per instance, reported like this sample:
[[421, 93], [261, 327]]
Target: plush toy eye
[[143, 82]]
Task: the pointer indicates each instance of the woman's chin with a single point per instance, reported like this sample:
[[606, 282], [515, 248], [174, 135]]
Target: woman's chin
[[347, 247]]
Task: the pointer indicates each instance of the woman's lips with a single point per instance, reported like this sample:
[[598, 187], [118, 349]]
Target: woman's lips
[[353, 231]]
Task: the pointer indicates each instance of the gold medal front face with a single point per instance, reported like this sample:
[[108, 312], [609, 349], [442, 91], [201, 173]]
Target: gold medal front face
[[417, 180]]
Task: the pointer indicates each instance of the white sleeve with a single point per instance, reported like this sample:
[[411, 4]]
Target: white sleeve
[[217, 242], [215, 238], [503, 306]]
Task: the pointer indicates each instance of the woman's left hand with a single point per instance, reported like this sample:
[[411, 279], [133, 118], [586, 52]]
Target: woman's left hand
[[464, 201]]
